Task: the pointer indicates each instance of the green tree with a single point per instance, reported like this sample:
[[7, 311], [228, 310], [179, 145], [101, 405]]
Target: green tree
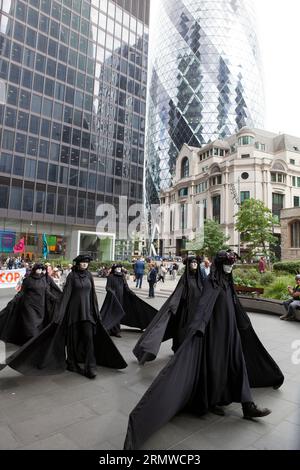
[[255, 223], [214, 239]]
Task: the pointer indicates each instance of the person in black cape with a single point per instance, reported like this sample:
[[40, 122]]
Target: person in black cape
[[55, 291], [218, 362], [176, 314], [76, 331], [30, 310], [122, 306]]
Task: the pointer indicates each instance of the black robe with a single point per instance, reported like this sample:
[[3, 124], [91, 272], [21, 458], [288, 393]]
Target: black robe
[[46, 353], [29, 311], [122, 306], [52, 300], [173, 319], [218, 362]]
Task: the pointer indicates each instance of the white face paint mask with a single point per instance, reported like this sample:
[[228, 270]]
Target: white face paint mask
[[83, 265], [227, 268], [118, 270], [194, 266], [39, 271]]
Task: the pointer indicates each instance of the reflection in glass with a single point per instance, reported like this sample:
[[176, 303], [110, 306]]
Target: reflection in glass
[[202, 85]]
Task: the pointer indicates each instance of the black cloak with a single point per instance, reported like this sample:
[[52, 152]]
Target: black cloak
[[29, 311], [174, 317], [122, 306], [46, 353], [218, 362]]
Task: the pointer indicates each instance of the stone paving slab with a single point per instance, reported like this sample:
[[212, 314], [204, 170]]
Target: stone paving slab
[[68, 411]]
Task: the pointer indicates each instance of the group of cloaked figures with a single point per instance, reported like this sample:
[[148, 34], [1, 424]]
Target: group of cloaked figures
[[217, 357]]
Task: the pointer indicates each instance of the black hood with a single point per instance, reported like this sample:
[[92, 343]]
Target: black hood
[[217, 274], [187, 275]]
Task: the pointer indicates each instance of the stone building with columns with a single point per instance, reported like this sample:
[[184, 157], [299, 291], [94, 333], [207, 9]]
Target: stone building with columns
[[210, 183]]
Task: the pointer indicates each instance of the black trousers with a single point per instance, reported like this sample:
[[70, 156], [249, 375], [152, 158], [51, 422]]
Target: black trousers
[[80, 345], [151, 289]]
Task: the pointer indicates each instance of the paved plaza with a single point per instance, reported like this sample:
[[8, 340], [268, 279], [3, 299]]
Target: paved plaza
[[68, 411]]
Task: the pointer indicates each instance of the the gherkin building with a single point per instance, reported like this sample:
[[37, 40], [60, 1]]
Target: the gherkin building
[[205, 79]]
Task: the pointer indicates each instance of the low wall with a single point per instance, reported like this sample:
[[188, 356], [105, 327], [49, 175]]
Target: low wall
[[269, 307]]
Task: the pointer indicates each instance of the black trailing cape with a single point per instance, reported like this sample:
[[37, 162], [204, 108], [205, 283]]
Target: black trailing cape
[[46, 355], [173, 319], [29, 311], [122, 306], [217, 362]]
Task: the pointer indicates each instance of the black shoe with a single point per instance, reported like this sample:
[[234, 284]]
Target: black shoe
[[217, 410], [90, 373], [250, 410], [287, 317]]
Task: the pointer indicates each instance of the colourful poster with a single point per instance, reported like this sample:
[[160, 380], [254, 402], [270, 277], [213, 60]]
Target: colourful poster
[[7, 241], [51, 239], [11, 278], [20, 246]]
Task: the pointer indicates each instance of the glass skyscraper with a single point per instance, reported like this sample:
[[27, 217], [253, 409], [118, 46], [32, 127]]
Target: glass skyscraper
[[205, 80], [73, 77]]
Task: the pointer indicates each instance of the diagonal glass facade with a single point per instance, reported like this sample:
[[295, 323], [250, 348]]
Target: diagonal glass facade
[[205, 80], [72, 121]]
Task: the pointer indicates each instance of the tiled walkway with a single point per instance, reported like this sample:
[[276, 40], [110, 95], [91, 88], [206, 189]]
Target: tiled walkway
[[71, 412]]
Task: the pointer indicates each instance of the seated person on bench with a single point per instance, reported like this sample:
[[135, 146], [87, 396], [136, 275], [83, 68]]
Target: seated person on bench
[[294, 303]]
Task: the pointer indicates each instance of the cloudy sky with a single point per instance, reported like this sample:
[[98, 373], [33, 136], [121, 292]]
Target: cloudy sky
[[279, 31]]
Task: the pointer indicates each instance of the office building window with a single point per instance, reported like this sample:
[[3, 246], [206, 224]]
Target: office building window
[[278, 177], [277, 205], [18, 168], [40, 197], [216, 206], [50, 205], [183, 216], [185, 168], [15, 201], [295, 234], [71, 206], [5, 163], [183, 192], [246, 140], [244, 196], [28, 197], [204, 202], [61, 204], [30, 168], [4, 192]]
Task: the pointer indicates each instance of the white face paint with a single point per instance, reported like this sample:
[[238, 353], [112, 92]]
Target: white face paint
[[118, 270], [227, 268], [194, 266], [39, 271], [83, 265]]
